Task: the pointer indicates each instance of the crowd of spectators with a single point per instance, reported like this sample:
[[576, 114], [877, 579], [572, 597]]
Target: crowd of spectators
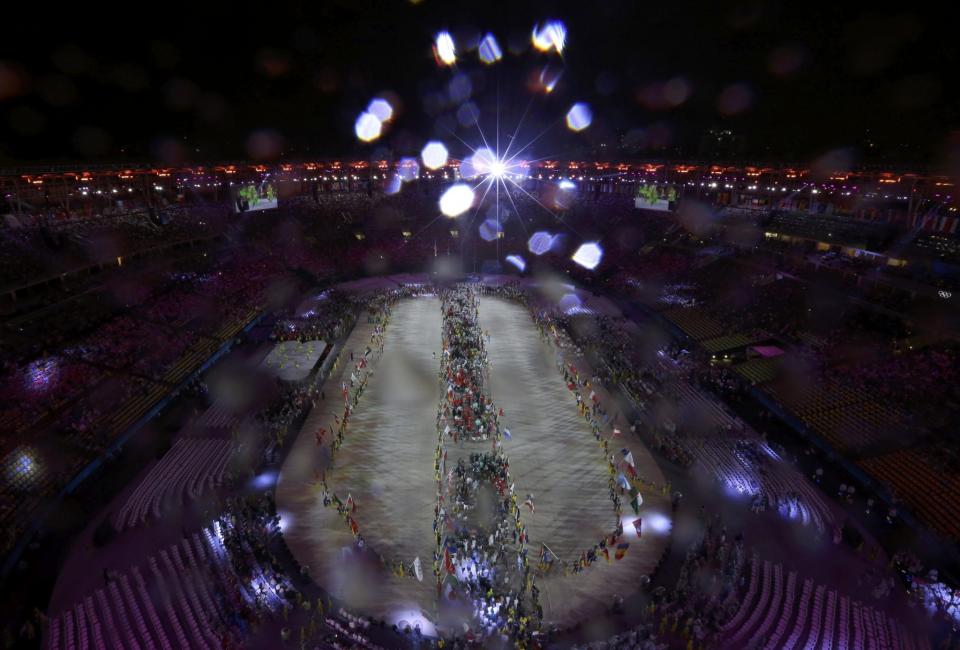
[[65, 378]]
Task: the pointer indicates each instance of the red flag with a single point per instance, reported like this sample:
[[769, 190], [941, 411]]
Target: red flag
[[636, 524], [448, 562], [353, 526]]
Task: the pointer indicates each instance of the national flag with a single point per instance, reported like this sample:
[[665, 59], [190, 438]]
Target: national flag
[[636, 524], [623, 481], [417, 570], [353, 526], [507, 435], [635, 500], [622, 550], [351, 504], [628, 459]]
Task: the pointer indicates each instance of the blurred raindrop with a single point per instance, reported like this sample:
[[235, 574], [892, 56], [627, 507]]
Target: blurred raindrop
[[434, 155], [579, 117], [367, 127], [734, 99], [468, 114], [180, 94], [588, 255], [265, 144], [786, 60], [409, 169], [381, 109], [549, 76], [489, 230], [489, 50], [91, 140], [540, 242], [459, 89], [456, 200], [13, 81], [517, 261], [444, 50], [393, 185], [552, 36]]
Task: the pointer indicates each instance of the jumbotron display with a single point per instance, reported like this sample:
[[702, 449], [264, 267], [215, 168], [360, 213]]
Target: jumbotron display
[[652, 197], [252, 197]]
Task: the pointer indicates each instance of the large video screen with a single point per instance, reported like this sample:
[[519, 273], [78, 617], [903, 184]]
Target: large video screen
[[254, 196], [652, 197]]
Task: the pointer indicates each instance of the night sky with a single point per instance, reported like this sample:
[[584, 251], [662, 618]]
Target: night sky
[[189, 82]]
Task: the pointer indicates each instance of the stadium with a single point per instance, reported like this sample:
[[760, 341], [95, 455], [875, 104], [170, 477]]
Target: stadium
[[487, 367]]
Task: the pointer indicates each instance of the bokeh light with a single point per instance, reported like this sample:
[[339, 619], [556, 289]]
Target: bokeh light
[[286, 521], [570, 303], [490, 50], [490, 230], [434, 155], [368, 127], [381, 109], [393, 184], [735, 99], [579, 117], [468, 114], [518, 262], [444, 50], [456, 200], [540, 242], [459, 89], [567, 185], [483, 161], [588, 255], [786, 60], [408, 169], [552, 36], [265, 480], [467, 168], [549, 77]]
